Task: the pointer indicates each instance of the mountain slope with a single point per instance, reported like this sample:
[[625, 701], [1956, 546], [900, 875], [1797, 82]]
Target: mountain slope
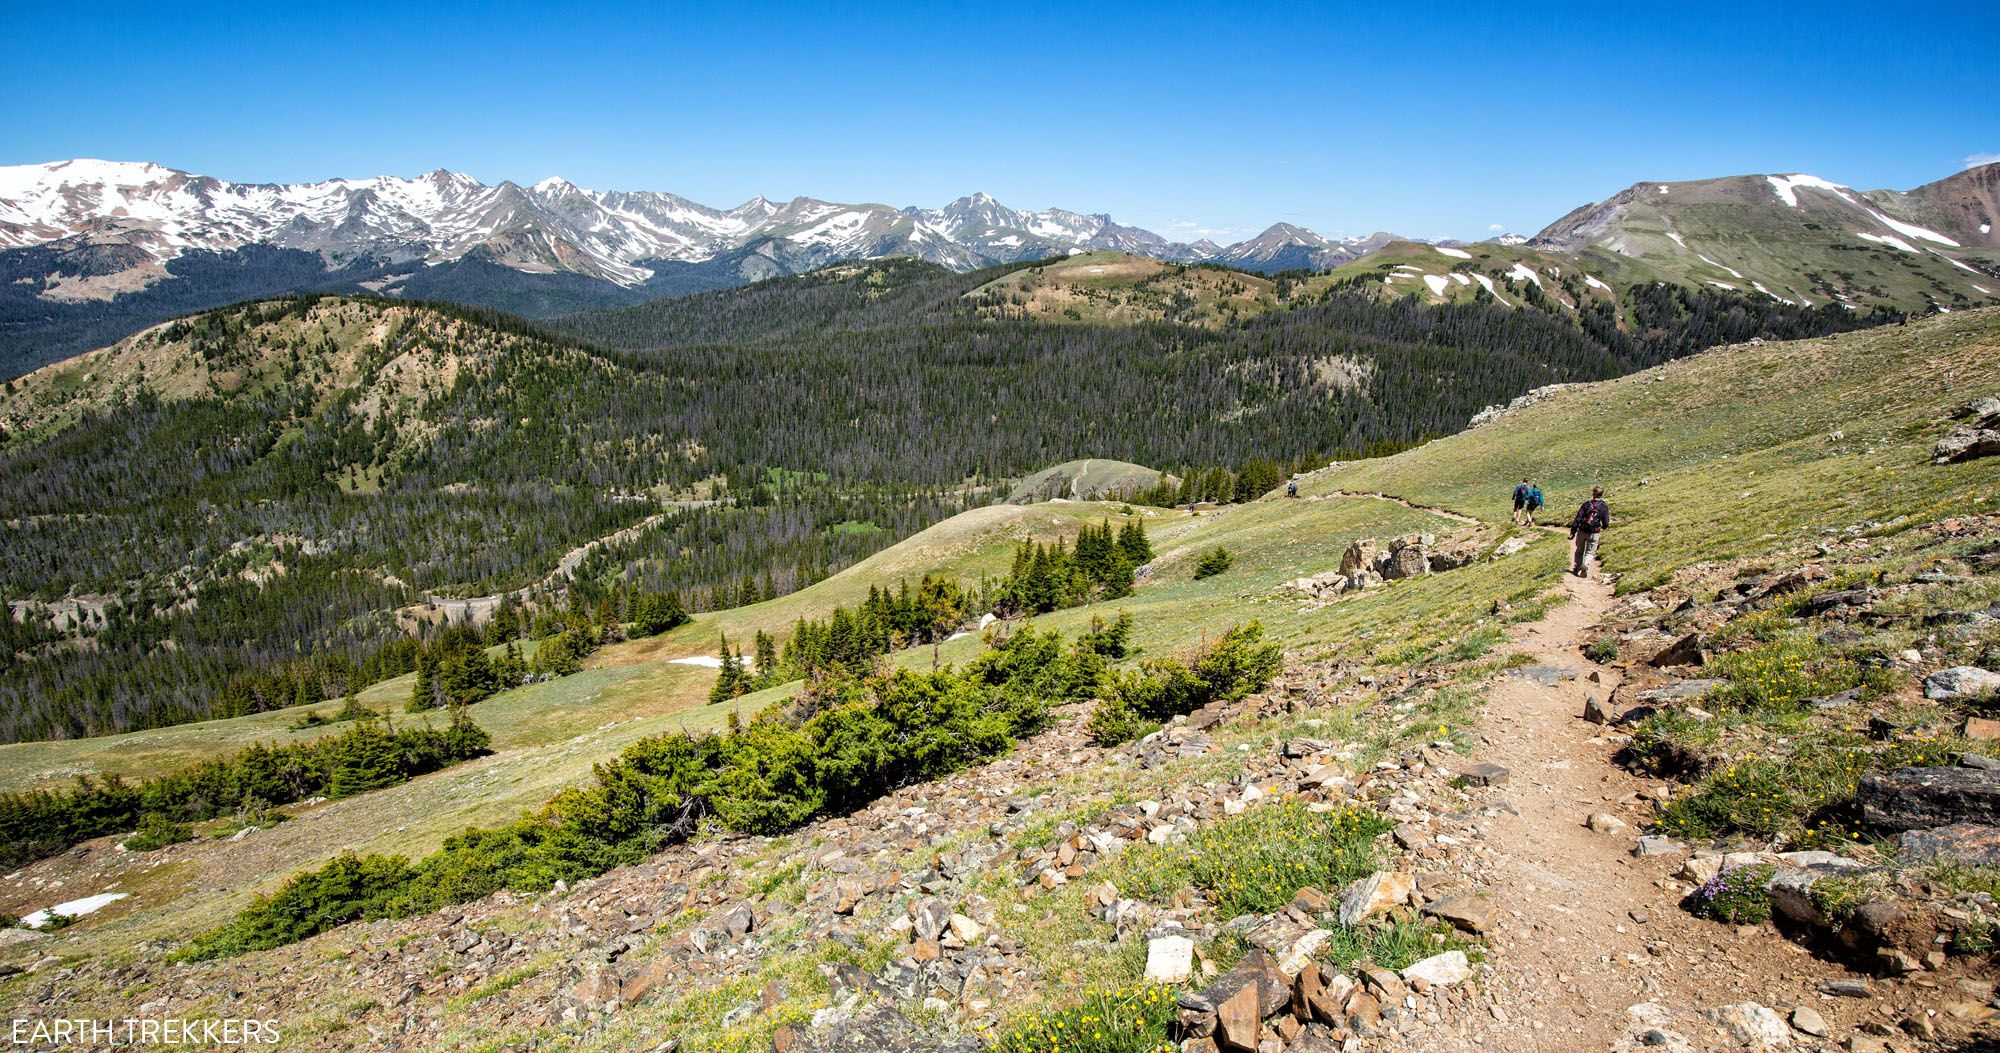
[[1794, 237]]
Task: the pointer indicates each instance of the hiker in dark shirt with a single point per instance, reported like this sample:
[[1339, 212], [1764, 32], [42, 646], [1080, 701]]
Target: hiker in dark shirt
[[1592, 518], [1521, 499]]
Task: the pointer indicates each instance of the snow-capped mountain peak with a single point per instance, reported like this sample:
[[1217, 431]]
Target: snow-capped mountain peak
[[556, 226]]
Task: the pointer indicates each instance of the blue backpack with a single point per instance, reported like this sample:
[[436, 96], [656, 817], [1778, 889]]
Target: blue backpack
[[1534, 498]]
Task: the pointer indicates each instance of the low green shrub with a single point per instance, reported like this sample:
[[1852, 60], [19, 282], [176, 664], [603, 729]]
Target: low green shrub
[[1123, 1020], [1213, 562], [370, 754], [1789, 795], [853, 741], [1226, 669], [157, 831], [1254, 863], [1781, 674], [1605, 649]]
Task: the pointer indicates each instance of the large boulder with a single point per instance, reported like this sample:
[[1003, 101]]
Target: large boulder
[[1965, 444], [1360, 556], [1923, 798], [1978, 437], [1407, 561]]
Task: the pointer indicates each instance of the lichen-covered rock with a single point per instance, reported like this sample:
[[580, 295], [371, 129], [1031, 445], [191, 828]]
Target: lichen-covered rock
[[1960, 681], [1923, 798], [1972, 843]]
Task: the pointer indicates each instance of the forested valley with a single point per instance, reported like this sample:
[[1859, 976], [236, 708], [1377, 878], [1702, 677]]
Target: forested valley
[[250, 508]]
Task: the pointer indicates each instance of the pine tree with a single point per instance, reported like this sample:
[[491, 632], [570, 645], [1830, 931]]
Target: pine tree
[[423, 694], [364, 758], [767, 659], [1133, 542], [730, 682]]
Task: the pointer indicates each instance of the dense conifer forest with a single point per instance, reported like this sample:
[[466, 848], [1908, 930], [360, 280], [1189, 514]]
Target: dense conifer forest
[[270, 531]]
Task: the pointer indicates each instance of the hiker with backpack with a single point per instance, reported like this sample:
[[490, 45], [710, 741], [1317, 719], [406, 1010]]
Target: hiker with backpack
[[1534, 502], [1521, 500], [1592, 518]]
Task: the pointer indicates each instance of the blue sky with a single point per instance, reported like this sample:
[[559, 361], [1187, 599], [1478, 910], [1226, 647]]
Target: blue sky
[[1434, 120]]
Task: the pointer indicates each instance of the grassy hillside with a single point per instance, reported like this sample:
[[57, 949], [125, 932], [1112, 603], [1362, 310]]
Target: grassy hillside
[[1733, 450]]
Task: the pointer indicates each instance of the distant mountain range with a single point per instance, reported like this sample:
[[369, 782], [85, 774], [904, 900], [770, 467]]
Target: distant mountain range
[[156, 214], [92, 250]]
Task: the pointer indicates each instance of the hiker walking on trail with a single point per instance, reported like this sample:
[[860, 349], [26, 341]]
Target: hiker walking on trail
[[1521, 500], [1592, 517], [1534, 502]]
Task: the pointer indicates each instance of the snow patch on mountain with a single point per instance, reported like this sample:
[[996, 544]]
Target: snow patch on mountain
[[1787, 187], [1887, 239], [1911, 230]]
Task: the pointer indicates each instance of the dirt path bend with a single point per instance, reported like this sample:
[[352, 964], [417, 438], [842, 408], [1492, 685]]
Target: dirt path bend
[[1369, 495], [1584, 929]]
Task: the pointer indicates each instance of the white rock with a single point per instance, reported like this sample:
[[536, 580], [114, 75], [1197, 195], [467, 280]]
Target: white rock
[[966, 929], [1300, 954], [1750, 1025], [1169, 960], [1441, 970]]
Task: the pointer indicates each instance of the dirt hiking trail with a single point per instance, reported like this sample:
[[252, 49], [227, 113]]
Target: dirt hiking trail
[[1583, 929]]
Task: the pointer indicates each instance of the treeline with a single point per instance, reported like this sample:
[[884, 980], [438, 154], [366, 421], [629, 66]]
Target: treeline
[[369, 755]]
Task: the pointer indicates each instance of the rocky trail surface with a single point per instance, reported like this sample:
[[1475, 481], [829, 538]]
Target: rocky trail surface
[[1586, 932]]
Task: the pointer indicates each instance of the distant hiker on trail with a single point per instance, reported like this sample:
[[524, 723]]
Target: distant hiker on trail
[[1521, 500], [1534, 502], [1592, 517]]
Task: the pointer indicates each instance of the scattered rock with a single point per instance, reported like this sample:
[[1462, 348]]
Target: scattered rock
[[1466, 912], [1605, 823], [1684, 689], [1374, 894], [1845, 988], [1656, 845], [1687, 650], [1487, 774], [1808, 1021]]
